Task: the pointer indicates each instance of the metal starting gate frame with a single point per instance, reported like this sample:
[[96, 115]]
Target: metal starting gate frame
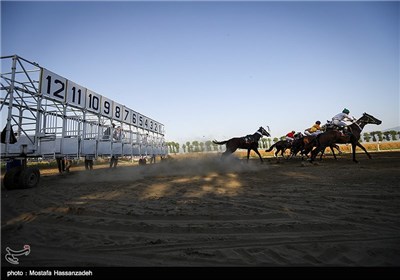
[[44, 115]]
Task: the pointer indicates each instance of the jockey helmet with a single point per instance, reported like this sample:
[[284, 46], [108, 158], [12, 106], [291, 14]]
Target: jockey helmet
[[318, 122], [346, 111]]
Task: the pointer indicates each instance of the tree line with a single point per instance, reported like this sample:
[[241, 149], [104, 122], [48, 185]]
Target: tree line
[[265, 143]]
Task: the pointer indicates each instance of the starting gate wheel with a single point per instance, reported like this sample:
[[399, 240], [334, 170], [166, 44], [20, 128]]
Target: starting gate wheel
[[11, 178], [29, 177]]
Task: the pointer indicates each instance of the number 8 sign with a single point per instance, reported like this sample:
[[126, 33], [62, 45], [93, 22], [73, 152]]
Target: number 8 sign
[[117, 111]]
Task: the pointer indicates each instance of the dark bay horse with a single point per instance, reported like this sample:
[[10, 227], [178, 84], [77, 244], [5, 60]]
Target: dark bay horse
[[331, 137], [305, 145], [249, 142], [283, 145], [280, 146]]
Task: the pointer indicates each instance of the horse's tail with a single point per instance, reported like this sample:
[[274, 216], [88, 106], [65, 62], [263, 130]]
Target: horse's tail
[[220, 143], [270, 148]]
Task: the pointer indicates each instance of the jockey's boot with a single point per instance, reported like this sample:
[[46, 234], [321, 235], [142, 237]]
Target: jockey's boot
[[343, 130], [346, 131]]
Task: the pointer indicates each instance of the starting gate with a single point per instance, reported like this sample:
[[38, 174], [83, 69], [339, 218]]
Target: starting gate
[[44, 115]]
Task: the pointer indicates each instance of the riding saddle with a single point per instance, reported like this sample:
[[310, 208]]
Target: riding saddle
[[249, 139]]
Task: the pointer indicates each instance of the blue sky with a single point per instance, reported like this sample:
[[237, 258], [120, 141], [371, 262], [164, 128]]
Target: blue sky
[[216, 70]]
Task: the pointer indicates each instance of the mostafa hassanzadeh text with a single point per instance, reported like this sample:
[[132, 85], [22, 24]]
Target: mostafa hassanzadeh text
[[57, 272]]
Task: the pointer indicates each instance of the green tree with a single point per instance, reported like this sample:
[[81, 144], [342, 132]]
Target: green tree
[[172, 144], [387, 135], [269, 140], [201, 146], [380, 135], [367, 137], [195, 146], [373, 134], [177, 147], [189, 147], [263, 143], [393, 134], [184, 148], [208, 145]]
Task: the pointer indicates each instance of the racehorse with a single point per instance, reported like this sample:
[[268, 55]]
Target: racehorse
[[280, 146], [249, 142], [305, 144], [331, 137]]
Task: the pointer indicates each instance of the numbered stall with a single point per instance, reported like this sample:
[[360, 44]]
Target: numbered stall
[[45, 115]]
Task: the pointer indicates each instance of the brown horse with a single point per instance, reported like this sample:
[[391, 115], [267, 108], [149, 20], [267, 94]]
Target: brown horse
[[280, 146], [283, 145], [331, 137], [249, 142], [305, 144]]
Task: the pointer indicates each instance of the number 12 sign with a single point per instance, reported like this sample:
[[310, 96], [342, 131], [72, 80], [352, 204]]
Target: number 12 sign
[[53, 86]]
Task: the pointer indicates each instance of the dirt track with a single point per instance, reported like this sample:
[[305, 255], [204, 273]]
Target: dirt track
[[204, 212]]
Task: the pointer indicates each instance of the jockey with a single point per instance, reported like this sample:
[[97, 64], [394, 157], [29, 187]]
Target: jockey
[[314, 130], [290, 136], [340, 119]]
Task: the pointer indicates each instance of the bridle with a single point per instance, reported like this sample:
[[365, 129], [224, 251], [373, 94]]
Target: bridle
[[263, 132], [366, 119]]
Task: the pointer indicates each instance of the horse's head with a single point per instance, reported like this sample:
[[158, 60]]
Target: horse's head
[[366, 118], [328, 126], [263, 131], [298, 135]]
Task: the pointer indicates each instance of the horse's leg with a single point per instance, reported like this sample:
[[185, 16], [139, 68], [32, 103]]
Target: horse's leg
[[337, 148], [226, 153], [229, 150], [248, 154], [284, 152], [258, 153], [291, 154], [363, 148], [306, 151], [322, 153], [333, 152], [315, 152], [353, 146]]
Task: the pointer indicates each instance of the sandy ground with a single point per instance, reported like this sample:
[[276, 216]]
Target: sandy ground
[[207, 212]]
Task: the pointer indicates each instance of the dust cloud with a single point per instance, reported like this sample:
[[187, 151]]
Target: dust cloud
[[170, 167]]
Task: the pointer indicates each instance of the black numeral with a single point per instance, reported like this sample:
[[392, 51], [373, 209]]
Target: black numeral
[[94, 102], [74, 95], [117, 112], [56, 93]]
